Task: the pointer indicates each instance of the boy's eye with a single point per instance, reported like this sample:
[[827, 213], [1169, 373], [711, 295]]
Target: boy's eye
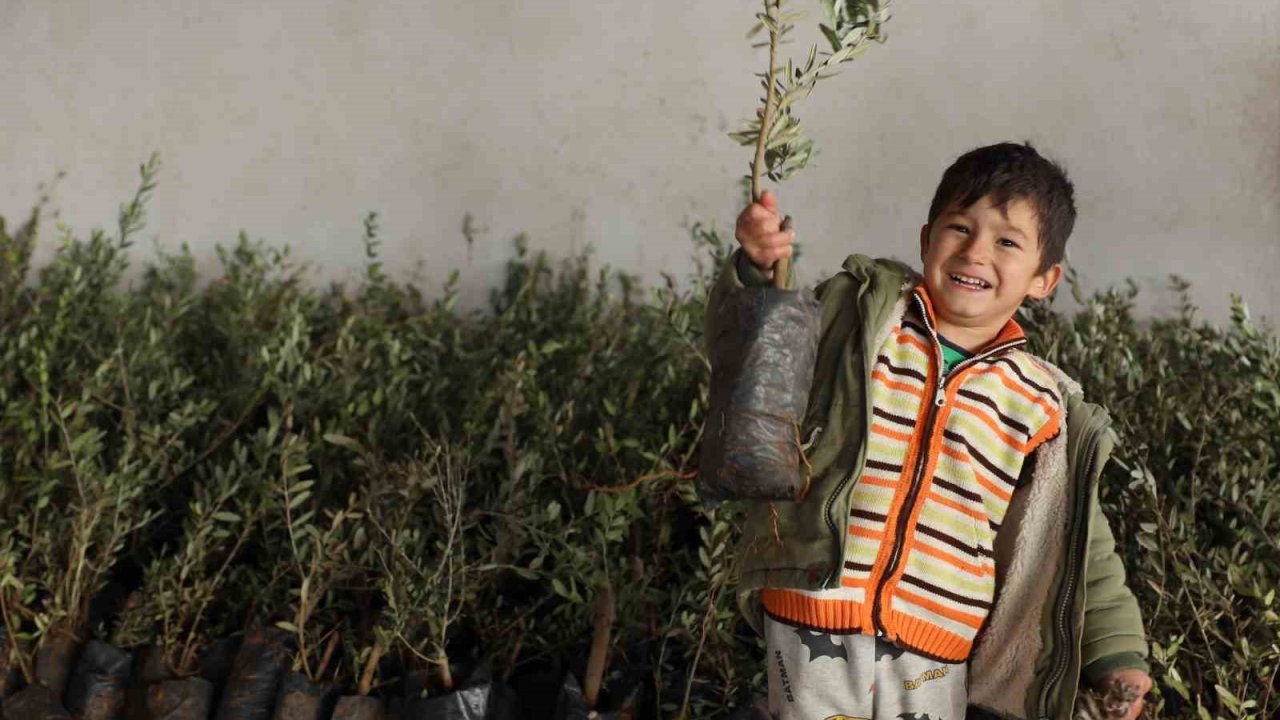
[[1008, 243], [958, 228]]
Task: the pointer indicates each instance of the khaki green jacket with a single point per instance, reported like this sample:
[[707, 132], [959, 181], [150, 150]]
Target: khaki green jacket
[[1062, 603]]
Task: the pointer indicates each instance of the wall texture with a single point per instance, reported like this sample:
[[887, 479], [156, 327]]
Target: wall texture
[[604, 122]]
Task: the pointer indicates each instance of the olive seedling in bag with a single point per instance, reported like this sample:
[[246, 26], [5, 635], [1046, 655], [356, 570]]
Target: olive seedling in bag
[[765, 341]]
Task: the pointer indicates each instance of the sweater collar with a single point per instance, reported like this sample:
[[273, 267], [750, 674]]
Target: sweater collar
[[1010, 333]]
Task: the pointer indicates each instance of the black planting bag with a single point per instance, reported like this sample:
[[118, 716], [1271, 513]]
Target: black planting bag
[[97, 687], [186, 699], [36, 702], [301, 699], [762, 361], [359, 707], [261, 662]]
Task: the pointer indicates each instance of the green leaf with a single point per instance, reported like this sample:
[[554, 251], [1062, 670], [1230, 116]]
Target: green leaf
[[343, 441], [296, 500]]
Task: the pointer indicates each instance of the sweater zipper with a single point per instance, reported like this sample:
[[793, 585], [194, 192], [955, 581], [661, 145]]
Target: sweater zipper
[[1066, 600], [939, 400]]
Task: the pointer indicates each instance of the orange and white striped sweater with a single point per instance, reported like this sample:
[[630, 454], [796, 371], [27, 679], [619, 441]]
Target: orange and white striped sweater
[[943, 457]]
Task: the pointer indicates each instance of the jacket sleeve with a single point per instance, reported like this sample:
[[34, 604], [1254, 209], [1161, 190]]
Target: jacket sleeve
[[1113, 638]]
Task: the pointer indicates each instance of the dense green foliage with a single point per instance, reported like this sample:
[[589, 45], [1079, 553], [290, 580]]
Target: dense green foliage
[[1194, 489], [384, 474]]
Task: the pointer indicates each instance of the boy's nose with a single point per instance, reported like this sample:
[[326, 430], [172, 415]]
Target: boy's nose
[[976, 251]]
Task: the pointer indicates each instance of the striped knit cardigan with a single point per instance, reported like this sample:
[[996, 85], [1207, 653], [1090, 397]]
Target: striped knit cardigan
[[943, 458]]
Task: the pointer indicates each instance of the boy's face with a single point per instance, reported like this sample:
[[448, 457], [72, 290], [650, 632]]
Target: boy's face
[[980, 263]]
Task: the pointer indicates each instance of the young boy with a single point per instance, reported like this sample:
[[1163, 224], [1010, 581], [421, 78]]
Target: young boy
[[949, 558]]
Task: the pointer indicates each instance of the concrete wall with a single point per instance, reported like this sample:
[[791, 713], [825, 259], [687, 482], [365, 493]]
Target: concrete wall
[[604, 122]]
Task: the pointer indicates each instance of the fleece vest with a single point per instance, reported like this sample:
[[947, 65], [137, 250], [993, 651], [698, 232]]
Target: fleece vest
[[944, 454]]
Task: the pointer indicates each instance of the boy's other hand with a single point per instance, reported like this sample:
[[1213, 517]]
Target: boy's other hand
[[760, 233], [1132, 677]]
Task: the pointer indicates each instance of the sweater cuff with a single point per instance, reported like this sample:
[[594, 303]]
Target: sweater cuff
[[751, 276], [1094, 671]]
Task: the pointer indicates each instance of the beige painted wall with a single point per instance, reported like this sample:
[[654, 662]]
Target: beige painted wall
[[604, 122]]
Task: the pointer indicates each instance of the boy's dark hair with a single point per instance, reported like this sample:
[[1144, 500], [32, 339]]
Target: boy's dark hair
[[1009, 171]]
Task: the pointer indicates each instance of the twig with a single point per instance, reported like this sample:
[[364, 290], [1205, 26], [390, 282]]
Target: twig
[[370, 667], [594, 675], [329, 649], [664, 475], [697, 653], [771, 100]]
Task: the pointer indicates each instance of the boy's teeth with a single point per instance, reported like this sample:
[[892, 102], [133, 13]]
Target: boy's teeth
[[971, 282]]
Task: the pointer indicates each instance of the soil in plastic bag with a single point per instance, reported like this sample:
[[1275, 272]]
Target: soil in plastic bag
[[97, 686], [359, 707], [300, 699], [618, 702], [36, 702], [762, 361], [479, 697], [489, 701], [186, 699], [148, 668], [260, 663], [216, 661], [538, 685], [55, 658]]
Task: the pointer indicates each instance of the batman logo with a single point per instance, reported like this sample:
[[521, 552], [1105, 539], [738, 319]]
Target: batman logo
[[886, 649], [821, 645]]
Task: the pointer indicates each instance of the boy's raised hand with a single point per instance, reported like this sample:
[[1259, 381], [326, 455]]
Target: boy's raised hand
[[761, 233]]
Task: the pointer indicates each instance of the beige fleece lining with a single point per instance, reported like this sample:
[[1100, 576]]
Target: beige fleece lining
[[1029, 552]]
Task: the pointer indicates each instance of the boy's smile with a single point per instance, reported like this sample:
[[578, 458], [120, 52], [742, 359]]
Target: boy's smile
[[980, 263]]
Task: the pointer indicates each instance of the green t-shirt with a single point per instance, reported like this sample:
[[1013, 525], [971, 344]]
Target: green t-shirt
[[952, 355]]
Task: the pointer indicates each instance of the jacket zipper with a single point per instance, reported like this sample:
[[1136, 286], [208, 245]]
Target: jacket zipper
[[939, 400], [1067, 598]]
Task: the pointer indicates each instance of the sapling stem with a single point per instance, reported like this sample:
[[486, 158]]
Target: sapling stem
[[594, 676], [370, 668], [444, 673], [780, 148], [771, 7], [325, 659]]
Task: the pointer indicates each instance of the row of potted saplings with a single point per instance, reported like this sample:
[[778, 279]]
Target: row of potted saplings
[[279, 670], [251, 678]]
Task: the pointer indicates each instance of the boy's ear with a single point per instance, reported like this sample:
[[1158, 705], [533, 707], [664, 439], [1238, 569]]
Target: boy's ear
[[924, 241], [1045, 282]]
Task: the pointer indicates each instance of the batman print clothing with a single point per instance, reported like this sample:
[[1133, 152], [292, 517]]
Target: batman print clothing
[[815, 675]]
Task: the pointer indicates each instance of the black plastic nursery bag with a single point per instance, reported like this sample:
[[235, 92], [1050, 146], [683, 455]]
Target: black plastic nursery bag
[[615, 703], [35, 702], [762, 359], [301, 699], [260, 664], [479, 698], [97, 687], [186, 699], [359, 707]]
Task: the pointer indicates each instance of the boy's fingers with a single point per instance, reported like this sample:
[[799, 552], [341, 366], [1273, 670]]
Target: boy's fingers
[[765, 240], [777, 239], [767, 257], [769, 201], [757, 213]]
